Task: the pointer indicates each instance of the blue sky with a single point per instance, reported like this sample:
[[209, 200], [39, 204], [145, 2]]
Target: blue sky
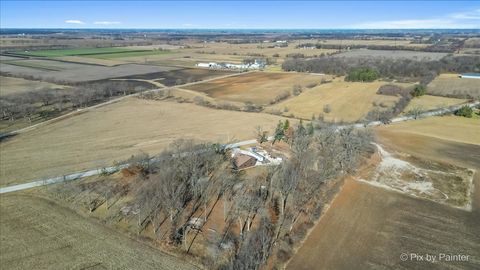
[[240, 14]]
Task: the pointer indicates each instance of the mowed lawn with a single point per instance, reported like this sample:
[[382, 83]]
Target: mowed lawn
[[256, 87], [115, 132], [37, 233], [348, 101]]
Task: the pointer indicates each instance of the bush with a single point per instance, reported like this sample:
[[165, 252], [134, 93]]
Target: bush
[[465, 111], [419, 90], [362, 75]]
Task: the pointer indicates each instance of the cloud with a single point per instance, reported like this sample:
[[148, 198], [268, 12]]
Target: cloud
[[414, 24], [471, 15], [106, 23], [74, 22], [454, 20]]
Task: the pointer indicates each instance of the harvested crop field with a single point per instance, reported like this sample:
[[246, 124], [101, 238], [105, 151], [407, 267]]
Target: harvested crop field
[[37, 233], [75, 72], [257, 87], [453, 128], [428, 102], [348, 101], [369, 227], [181, 76], [451, 85], [10, 85], [412, 55], [115, 132]]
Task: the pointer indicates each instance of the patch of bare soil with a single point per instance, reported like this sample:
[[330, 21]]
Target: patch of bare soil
[[370, 227]]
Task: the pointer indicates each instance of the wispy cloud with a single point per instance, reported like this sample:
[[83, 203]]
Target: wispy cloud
[[471, 15], [455, 20], [74, 22], [106, 23]]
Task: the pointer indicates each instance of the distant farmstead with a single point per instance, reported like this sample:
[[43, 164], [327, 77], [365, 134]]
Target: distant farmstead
[[470, 76], [257, 64]]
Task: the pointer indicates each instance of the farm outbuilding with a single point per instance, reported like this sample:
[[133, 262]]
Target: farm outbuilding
[[470, 76]]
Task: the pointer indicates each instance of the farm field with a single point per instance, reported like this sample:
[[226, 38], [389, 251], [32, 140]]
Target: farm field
[[111, 133], [349, 101], [10, 85], [92, 61], [452, 85], [75, 72], [268, 49], [365, 53], [391, 223], [428, 102], [368, 227], [180, 76], [54, 237], [453, 128], [77, 52], [257, 87], [373, 41]]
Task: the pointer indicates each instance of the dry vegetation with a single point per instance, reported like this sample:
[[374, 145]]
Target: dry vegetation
[[428, 102], [337, 101], [451, 85], [114, 132], [396, 54], [9, 85], [454, 128], [40, 234], [391, 223], [260, 88], [56, 71]]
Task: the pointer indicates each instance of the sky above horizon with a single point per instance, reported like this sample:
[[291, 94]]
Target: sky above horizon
[[240, 14]]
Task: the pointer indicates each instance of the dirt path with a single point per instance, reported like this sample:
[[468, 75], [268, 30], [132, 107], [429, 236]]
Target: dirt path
[[368, 227], [82, 110]]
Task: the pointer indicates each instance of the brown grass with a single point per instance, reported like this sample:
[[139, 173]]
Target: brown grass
[[349, 101], [40, 234], [257, 87], [452, 128], [10, 85], [114, 132], [428, 102], [452, 85]]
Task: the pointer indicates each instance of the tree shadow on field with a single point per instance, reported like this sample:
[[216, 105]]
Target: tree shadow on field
[[6, 136]]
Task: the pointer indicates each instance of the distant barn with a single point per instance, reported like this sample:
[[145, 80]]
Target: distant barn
[[470, 76]]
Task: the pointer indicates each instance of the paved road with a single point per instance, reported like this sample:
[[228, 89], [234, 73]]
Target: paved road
[[97, 171], [82, 110]]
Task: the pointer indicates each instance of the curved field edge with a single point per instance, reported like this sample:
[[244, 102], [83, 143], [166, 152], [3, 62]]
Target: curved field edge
[[38, 233]]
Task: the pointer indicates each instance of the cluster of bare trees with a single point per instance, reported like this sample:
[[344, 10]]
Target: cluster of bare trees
[[387, 68], [175, 193], [47, 103]]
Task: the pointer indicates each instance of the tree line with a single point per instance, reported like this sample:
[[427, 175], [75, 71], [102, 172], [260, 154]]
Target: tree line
[[47, 103], [175, 192], [424, 70]]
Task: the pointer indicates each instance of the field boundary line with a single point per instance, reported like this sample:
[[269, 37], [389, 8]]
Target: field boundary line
[[82, 110]]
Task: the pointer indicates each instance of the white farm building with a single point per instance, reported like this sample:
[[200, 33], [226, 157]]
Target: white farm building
[[470, 76]]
